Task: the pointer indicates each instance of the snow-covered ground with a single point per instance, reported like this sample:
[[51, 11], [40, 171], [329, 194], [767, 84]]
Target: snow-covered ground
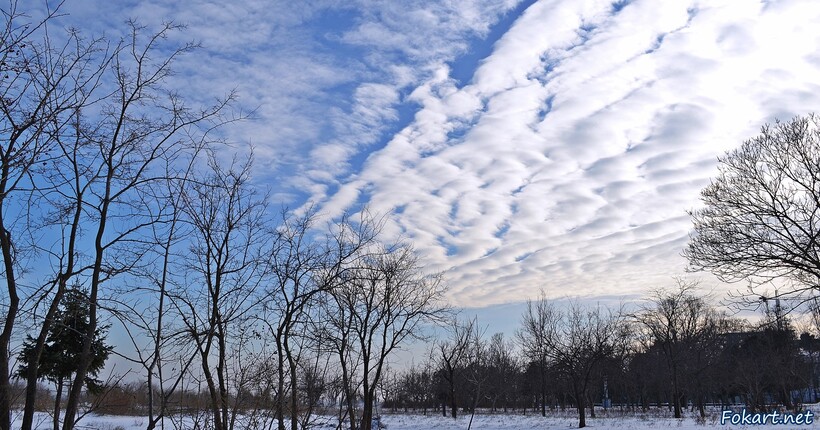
[[567, 420]]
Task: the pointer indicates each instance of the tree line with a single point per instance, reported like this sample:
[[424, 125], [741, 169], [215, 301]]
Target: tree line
[[675, 351]]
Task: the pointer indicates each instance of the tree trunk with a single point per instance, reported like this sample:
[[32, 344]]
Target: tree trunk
[[453, 406], [73, 402], [33, 365], [348, 392], [223, 394], [591, 408], [280, 395], [675, 392], [294, 395], [543, 385], [474, 407], [58, 396], [367, 411], [676, 403], [582, 418], [214, 393], [8, 326]]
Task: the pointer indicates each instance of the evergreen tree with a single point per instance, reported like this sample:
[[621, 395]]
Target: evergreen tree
[[61, 355]]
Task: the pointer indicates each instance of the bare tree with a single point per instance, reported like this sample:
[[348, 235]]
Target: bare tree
[[451, 357], [415, 387], [389, 299], [477, 372], [761, 215], [161, 344], [41, 85], [295, 261], [111, 125], [532, 338], [226, 260], [304, 265], [503, 366], [687, 330], [577, 340], [87, 124], [338, 338], [131, 130]]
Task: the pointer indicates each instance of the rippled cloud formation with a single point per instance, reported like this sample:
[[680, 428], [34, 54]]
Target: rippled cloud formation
[[551, 144]]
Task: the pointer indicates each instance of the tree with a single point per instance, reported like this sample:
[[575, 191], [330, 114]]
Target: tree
[[477, 372], [87, 126], [687, 331], [305, 265], [226, 266], [503, 367], [769, 363], [386, 300], [577, 341], [60, 359], [155, 320], [768, 366], [531, 336], [761, 215], [452, 356], [41, 84], [135, 127]]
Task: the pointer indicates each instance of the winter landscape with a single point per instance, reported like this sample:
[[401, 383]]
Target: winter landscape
[[480, 422], [369, 214]]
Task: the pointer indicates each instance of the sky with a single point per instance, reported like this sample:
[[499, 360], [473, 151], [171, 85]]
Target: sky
[[521, 146]]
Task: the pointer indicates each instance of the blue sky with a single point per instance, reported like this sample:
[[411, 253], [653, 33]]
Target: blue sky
[[521, 146]]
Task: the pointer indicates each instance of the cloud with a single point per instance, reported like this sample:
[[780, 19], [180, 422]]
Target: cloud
[[323, 79], [569, 160]]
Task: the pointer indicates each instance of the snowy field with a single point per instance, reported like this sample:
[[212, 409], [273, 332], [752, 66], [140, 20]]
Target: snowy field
[[567, 420]]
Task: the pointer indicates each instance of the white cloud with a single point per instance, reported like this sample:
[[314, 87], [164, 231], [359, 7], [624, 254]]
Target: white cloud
[[323, 79], [570, 159], [567, 162]]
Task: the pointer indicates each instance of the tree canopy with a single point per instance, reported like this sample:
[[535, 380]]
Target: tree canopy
[[761, 214], [60, 358]]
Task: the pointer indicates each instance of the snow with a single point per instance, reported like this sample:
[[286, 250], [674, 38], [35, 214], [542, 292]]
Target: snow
[[567, 420], [557, 420]]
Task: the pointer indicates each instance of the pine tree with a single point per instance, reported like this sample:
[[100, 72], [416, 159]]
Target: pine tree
[[60, 357]]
